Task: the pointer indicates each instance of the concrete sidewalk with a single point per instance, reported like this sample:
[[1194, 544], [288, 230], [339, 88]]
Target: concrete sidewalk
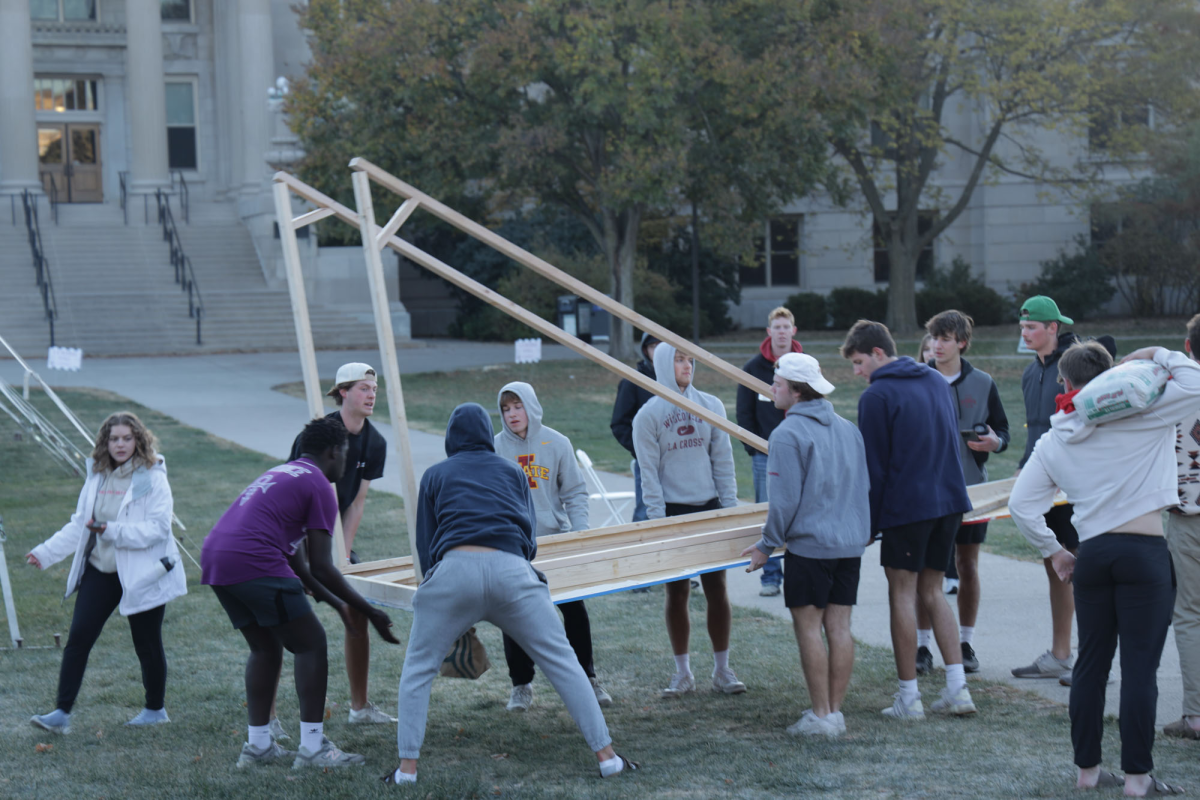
[[230, 396]]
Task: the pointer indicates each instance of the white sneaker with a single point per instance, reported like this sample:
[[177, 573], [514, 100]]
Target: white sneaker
[[252, 755], [602, 697], [1045, 666], [681, 683], [369, 714], [950, 585], [839, 719], [914, 710], [726, 682], [521, 698], [327, 756], [278, 734], [149, 717], [958, 704], [810, 724]]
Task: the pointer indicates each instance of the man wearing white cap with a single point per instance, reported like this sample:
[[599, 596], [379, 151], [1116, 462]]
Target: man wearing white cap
[[819, 510], [354, 391]]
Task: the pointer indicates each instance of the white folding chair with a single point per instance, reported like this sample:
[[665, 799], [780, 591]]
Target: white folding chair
[[617, 503]]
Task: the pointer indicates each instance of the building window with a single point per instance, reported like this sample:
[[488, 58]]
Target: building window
[[883, 261], [64, 94], [777, 254], [63, 10], [177, 10], [181, 125], [1106, 123]]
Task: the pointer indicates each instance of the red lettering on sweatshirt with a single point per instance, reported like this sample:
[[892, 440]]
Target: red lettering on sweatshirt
[[532, 471]]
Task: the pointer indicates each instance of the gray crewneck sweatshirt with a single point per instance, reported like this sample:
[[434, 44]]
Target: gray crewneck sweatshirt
[[560, 496], [683, 459], [109, 497]]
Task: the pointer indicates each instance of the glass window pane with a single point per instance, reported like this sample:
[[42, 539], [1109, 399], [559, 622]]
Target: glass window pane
[[92, 100], [43, 9], [60, 90], [83, 145], [180, 109], [176, 10], [50, 145], [784, 236], [755, 275], [785, 269], [181, 148], [79, 9]]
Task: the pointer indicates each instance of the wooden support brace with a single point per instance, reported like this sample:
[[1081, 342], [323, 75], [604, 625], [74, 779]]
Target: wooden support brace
[[399, 218], [311, 217]]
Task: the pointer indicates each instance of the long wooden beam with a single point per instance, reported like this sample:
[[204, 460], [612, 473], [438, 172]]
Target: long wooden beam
[[438, 267], [549, 271]]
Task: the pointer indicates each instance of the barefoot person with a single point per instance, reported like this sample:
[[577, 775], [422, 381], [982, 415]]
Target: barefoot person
[[819, 510], [1121, 475], [475, 539], [275, 541], [560, 500], [124, 558], [687, 466]]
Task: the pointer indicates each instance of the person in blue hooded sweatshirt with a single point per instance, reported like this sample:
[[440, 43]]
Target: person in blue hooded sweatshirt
[[909, 424], [475, 542]]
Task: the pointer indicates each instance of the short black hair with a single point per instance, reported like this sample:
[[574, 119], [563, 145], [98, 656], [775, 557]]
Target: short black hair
[[321, 434]]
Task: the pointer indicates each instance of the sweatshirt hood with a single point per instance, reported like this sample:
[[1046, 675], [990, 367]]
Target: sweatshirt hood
[[765, 349], [902, 368], [1065, 340], [469, 428], [1071, 426], [533, 409], [664, 371], [818, 410]]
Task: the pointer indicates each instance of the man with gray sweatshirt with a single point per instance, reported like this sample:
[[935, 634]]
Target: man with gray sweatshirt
[[687, 467], [560, 498], [820, 511]]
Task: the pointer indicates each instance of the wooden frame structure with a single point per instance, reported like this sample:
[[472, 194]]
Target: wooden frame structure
[[578, 564]]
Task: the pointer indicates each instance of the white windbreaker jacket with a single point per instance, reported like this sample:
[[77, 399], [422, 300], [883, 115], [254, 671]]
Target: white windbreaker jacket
[[141, 534]]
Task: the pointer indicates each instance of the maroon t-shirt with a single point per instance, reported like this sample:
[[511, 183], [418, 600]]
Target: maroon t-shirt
[[255, 536]]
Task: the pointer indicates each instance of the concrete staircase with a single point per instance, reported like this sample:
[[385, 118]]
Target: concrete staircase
[[117, 293]]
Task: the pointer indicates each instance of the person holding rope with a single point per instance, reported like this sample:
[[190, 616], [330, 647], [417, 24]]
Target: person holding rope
[[125, 558]]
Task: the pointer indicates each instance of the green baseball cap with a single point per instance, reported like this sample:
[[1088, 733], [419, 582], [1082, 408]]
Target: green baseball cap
[[1042, 309]]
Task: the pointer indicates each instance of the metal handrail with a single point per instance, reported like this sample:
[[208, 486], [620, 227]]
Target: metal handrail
[[52, 194], [183, 196], [185, 276], [41, 265], [123, 175]]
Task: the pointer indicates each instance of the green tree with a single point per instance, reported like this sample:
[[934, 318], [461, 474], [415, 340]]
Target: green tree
[[606, 108], [891, 71]]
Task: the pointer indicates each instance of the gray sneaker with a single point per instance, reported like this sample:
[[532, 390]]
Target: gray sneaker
[[914, 710], [522, 698], [959, 704], [278, 734], [1045, 666], [267, 755], [769, 590], [681, 683], [327, 756], [602, 697], [57, 721], [369, 714]]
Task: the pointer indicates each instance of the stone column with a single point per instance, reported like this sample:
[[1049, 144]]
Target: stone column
[[147, 96], [258, 65], [18, 131]]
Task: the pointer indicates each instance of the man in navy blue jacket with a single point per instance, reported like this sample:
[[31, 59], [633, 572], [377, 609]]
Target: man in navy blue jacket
[[909, 426]]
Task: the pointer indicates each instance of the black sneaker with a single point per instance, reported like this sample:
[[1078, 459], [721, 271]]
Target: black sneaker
[[970, 660], [924, 661], [354, 559]]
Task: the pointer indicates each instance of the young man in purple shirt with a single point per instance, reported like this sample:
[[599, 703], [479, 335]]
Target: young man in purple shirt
[[255, 560]]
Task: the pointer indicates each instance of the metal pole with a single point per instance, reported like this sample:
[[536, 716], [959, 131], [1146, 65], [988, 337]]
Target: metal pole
[[14, 632]]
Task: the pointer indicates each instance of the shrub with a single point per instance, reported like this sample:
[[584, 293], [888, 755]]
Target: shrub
[[957, 287], [1079, 281], [809, 310], [848, 304]]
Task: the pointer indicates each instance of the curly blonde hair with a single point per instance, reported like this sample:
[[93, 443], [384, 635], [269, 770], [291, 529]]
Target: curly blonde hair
[[145, 448]]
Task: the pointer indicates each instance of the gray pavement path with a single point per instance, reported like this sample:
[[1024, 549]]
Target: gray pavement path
[[230, 396]]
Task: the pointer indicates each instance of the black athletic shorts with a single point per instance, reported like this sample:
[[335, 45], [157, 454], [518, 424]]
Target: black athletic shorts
[[266, 602], [971, 534], [820, 581], [679, 509], [920, 545], [1058, 519]]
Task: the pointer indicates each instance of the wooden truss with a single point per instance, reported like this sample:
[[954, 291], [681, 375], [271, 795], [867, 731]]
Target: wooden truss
[[578, 564]]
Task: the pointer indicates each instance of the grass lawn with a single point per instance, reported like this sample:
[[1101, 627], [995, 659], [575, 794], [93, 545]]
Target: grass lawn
[[703, 746]]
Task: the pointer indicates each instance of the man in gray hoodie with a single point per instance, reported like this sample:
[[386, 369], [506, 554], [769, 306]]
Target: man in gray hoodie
[[819, 510], [687, 467], [560, 499]]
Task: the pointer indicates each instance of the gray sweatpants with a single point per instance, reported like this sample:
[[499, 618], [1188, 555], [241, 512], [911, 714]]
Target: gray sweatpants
[[502, 589]]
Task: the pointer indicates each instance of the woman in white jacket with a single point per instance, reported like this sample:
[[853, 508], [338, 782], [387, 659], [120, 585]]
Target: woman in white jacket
[[125, 557]]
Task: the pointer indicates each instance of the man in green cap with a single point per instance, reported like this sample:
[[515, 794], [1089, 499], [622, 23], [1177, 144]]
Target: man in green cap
[[1040, 329]]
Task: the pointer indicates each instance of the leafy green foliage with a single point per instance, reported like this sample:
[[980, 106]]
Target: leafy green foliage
[[1080, 276], [957, 287], [849, 304], [809, 309]]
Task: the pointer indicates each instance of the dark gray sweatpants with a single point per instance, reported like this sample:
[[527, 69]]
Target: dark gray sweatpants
[[500, 588]]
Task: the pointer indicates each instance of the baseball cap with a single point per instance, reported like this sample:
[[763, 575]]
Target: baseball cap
[[1040, 308], [803, 368], [351, 373]]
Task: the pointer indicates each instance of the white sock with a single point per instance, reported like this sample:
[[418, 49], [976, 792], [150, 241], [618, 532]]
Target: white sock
[[311, 734], [955, 678], [404, 777], [965, 634], [909, 691], [721, 659], [924, 637], [259, 736], [611, 767], [683, 664]]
